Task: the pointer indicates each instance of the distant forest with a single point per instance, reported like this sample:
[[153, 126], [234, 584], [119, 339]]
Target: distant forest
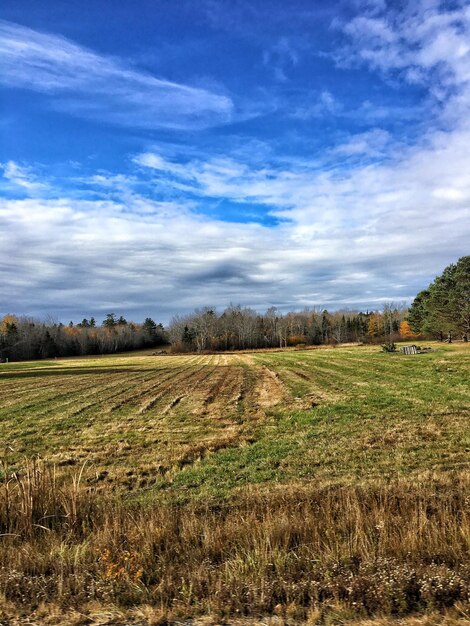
[[442, 311], [23, 338]]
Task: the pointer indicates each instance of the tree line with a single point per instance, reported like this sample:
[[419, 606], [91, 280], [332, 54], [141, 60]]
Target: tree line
[[23, 338], [441, 311], [238, 328], [235, 328]]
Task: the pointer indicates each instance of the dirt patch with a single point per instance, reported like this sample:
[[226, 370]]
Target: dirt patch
[[269, 390]]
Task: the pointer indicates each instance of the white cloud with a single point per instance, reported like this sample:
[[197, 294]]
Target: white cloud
[[85, 83], [22, 177], [371, 143], [423, 40], [157, 162], [398, 209]]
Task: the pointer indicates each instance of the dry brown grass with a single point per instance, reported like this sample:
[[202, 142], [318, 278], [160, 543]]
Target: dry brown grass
[[93, 614], [302, 554]]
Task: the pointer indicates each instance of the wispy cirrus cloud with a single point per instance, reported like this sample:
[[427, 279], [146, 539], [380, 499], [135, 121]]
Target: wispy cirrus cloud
[[21, 177], [373, 143], [318, 105], [282, 57], [91, 85]]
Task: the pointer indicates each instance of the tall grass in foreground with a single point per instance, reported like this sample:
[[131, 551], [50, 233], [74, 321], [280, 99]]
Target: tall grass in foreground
[[382, 549]]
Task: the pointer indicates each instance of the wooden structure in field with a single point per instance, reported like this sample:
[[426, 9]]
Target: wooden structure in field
[[409, 349]]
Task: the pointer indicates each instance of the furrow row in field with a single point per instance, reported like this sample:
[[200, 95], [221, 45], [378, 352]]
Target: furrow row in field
[[167, 423], [376, 365], [223, 399], [12, 394], [51, 400], [377, 375], [123, 382], [193, 385], [113, 431], [308, 385], [181, 383], [133, 399], [100, 397], [174, 362], [334, 378], [269, 390], [344, 383], [201, 425], [340, 375], [396, 380], [153, 396], [55, 417], [133, 425], [214, 403], [215, 389]]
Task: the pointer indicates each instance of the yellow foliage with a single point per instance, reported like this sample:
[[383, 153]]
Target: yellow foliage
[[405, 330], [8, 320], [373, 329], [120, 566]]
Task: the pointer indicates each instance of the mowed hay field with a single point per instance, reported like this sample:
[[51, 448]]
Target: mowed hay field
[[325, 485]]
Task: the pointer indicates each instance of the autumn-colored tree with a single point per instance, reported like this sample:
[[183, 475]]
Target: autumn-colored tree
[[7, 323], [405, 331], [373, 327], [72, 331]]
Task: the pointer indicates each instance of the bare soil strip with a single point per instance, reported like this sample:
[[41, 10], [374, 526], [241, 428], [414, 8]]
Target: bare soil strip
[[269, 390]]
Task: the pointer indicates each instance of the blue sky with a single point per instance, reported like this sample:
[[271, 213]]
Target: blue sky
[[184, 154]]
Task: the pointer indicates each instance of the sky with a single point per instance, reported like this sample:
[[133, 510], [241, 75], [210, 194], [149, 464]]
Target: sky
[[160, 156]]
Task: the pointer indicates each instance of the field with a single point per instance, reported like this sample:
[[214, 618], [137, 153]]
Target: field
[[317, 485]]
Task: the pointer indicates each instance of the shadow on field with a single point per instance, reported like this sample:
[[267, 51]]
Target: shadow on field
[[78, 371]]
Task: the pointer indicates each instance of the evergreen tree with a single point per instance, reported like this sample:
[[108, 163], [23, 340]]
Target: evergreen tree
[[110, 321], [444, 308]]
